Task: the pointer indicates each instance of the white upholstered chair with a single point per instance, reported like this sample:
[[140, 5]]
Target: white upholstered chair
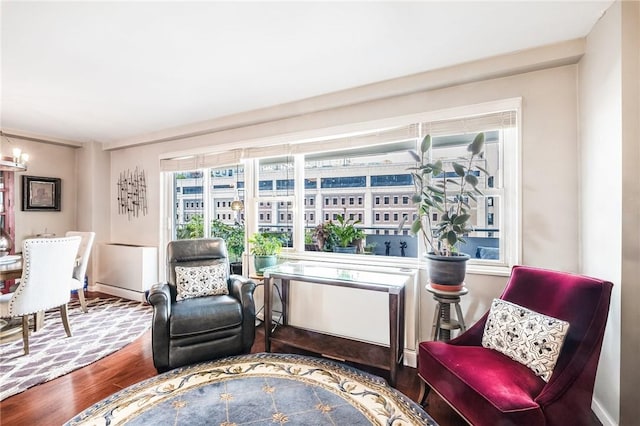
[[77, 283], [47, 265]]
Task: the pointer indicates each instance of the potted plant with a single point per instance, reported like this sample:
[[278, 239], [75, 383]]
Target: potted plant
[[449, 197], [324, 236], [348, 236], [370, 248], [265, 249], [309, 244]]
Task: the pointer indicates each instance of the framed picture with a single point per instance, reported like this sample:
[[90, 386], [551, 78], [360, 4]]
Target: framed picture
[[40, 193]]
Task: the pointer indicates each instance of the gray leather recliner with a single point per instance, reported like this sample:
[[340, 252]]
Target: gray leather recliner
[[202, 328]]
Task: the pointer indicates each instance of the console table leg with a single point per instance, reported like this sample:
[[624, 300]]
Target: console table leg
[[284, 284], [268, 286], [401, 304]]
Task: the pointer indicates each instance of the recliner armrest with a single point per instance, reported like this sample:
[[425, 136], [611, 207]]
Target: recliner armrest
[[241, 288], [160, 298]]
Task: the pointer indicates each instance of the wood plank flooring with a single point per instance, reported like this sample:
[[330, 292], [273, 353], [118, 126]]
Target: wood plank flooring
[[58, 400]]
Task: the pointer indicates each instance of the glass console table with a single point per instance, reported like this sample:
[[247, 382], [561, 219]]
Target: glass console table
[[383, 357]]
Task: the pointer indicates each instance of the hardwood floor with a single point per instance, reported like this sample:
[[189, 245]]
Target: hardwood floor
[[58, 400]]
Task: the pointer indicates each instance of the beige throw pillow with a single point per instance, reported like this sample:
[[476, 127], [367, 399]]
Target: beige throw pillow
[[531, 338], [196, 281]]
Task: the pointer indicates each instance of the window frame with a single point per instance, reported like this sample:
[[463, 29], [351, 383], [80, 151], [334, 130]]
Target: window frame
[[511, 168]]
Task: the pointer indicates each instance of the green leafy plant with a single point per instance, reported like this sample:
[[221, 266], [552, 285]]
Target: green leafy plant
[[233, 235], [265, 245], [346, 231], [308, 236], [342, 233], [325, 237], [448, 196], [192, 229]]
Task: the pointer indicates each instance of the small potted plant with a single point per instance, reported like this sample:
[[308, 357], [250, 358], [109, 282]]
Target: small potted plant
[[370, 248], [348, 236], [324, 236], [309, 244], [435, 192], [265, 249]]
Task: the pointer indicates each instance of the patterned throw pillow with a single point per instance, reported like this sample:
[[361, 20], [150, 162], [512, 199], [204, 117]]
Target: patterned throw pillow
[[196, 281], [531, 338]]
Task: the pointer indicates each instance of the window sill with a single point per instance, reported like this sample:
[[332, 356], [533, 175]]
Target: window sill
[[493, 270], [385, 262]]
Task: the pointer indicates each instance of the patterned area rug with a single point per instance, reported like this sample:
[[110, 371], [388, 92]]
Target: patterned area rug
[[109, 325], [259, 389]]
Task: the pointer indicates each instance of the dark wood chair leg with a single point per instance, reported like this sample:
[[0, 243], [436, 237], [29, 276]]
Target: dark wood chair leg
[[25, 333], [424, 393], [64, 313]]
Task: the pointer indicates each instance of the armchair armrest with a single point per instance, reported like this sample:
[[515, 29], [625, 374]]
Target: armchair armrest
[[160, 298], [242, 289]]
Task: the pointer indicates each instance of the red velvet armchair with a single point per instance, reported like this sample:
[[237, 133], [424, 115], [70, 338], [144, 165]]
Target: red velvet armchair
[[489, 388]]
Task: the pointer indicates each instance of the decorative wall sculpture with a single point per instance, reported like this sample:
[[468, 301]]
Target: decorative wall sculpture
[[132, 193]]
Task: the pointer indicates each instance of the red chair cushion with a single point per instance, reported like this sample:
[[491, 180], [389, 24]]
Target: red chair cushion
[[485, 386]]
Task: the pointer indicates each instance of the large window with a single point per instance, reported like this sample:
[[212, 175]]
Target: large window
[[363, 179]]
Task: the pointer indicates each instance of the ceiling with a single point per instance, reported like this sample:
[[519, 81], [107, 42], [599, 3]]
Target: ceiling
[[111, 71]]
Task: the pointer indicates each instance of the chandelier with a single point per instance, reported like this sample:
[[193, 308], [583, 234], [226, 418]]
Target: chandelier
[[15, 163]]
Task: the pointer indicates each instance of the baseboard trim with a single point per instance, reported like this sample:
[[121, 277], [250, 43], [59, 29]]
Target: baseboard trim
[[602, 414], [120, 292], [410, 358]]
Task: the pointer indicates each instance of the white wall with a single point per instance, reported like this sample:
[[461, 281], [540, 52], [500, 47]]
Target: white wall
[[630, 289], [47, 160], [144, 229], [601, 161], [94, 201], [609, 117]]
